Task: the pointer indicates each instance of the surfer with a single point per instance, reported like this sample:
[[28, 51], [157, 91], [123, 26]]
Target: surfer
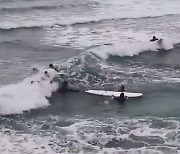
[[122, 98], [154, 39], [54, 67]]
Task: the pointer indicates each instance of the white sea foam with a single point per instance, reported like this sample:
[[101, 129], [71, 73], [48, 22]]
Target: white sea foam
[[23, 96], [132, 44], [109, 40], [89, 136], [14, 143]]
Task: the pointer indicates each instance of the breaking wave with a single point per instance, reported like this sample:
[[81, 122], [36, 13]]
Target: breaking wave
[[31, 93]]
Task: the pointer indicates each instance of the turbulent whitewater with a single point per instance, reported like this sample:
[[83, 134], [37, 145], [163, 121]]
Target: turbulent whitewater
[[31, 93]]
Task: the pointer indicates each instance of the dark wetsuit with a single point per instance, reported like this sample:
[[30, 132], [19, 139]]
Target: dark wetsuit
[[154, 39], [121, 98]]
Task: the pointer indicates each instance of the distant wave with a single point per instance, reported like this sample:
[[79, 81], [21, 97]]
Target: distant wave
[[46, 7], [82, 21], [20, 9], [21, 27]]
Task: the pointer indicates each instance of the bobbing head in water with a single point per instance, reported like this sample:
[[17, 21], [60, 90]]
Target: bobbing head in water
[[46, 73], [51, 66], [122, 88]]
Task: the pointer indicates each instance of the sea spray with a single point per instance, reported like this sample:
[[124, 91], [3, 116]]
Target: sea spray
[[31, 93]]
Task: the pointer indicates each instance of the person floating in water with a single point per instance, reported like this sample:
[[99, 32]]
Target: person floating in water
[[54, 67], [122, 98]]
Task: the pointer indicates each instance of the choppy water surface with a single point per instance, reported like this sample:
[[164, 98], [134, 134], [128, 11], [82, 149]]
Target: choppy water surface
[[97, 45]]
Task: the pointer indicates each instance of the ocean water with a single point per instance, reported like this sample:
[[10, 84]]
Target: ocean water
[[97, 45]]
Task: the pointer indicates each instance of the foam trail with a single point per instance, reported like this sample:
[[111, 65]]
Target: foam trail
[[23, 96]]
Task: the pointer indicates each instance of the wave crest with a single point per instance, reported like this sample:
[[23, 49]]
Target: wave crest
[[70, 22], [130, 48], [23, 96]]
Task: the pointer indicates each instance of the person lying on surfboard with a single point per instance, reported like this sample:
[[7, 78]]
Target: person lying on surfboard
[[155, 39]]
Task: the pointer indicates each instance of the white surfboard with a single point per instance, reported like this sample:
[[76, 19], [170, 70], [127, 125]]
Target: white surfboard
[[113, 93]]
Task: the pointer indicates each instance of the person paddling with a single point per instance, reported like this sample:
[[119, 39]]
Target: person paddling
[[154, 39]]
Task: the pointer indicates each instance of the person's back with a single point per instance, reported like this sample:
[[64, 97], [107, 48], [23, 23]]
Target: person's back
[[121, 98], [53, 67]]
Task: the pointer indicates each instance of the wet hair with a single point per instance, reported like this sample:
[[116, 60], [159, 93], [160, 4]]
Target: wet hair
[[45, 72], [51, 66], [34, 69]]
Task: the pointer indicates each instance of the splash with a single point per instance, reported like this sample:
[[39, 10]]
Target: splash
[[31, 93]]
